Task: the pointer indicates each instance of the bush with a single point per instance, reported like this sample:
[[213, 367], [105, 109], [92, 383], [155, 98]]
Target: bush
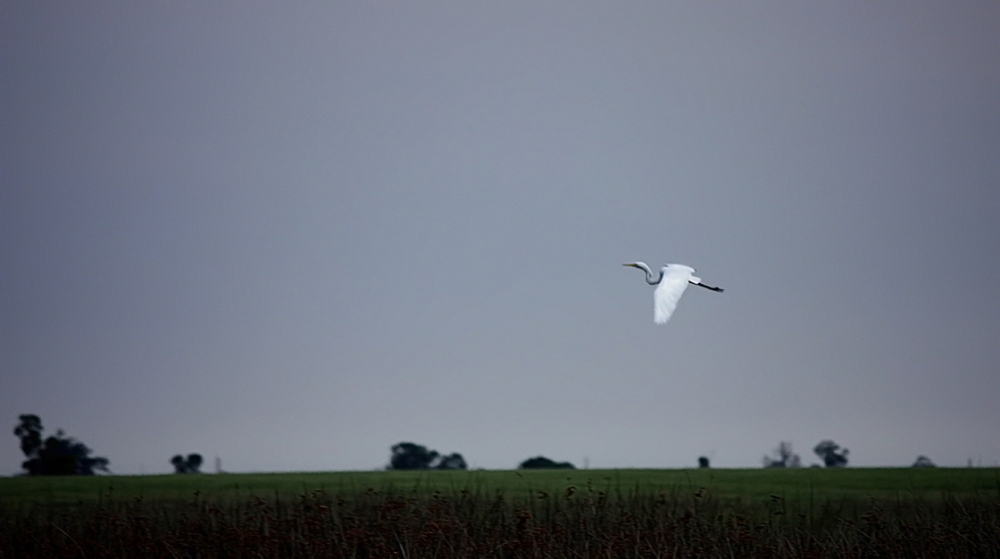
[[543, 463]]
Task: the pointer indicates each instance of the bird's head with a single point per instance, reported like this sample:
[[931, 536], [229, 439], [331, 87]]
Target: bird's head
[[640, 265]]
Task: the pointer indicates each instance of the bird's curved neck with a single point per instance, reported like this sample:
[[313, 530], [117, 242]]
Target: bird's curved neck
[[649, 278]]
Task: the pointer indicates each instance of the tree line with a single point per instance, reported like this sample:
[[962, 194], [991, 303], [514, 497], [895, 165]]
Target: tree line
[[832, 455], [412, 456], [60, 454]]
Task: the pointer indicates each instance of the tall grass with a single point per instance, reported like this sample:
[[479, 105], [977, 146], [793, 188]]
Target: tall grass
[[585, 520]]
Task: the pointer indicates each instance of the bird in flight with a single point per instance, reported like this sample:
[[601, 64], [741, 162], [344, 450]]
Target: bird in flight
[[673, 280]]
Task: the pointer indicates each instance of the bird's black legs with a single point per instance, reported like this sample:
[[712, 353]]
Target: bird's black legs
[[719, 289]]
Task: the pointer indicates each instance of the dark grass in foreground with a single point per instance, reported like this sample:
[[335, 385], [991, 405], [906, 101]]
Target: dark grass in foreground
[[565, 519]]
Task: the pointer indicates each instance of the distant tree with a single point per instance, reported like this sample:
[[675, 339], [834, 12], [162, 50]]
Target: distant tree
[[923, 462], [30, 433], [57, 455], [703, 462], [783, 457], [543, 463], [189, 465], [453, 461], [411, 456], [831, 453]]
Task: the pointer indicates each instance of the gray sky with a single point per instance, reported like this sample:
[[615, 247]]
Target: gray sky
[[294, 234]]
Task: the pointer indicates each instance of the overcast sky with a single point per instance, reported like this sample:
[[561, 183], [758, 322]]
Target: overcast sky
[[290, 235]]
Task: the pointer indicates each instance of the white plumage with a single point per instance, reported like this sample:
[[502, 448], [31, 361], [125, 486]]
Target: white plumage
[[668, 293], [673, 281]]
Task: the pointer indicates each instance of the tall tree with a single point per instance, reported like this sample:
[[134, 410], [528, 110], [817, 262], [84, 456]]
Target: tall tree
[[189, 465], [783, 457], [57, 455], [411, 456], [29, 430], [831, 453]]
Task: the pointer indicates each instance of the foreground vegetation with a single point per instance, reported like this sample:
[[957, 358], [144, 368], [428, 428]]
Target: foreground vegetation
[[591, 513]]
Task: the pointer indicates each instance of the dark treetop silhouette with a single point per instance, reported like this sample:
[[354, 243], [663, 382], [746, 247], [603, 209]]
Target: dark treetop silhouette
[[411, 456], [57, 455], [189, 465], [831, 453], [783, 457], [543, 463]]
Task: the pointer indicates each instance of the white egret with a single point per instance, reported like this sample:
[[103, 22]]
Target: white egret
[[673, 280]]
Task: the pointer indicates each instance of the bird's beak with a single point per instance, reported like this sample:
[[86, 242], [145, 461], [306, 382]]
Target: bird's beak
[[632, 264]]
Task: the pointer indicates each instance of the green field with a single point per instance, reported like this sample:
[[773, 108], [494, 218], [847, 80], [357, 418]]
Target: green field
[[817, 484], [780, 513]]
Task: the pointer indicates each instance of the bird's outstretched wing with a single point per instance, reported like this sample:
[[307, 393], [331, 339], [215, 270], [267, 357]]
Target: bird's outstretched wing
[[666, 295]]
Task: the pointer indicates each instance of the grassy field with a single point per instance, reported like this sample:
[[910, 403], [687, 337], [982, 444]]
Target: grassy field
[[850, 512], [799, 484]]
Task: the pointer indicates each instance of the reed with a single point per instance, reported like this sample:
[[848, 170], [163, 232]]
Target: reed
[[574, 520]]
